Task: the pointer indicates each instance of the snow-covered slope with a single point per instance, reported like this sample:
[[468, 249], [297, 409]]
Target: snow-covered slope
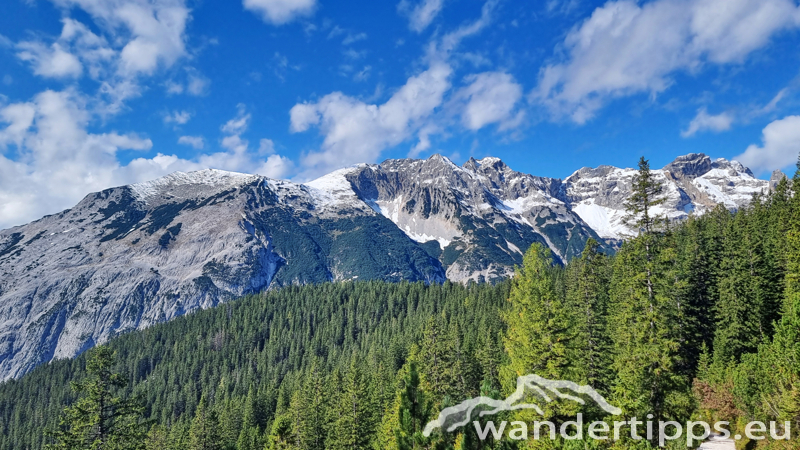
[[692, 184], [128, 257]]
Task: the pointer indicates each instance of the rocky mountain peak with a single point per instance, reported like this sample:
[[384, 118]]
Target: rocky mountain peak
[[692, 165], [194, 184], [131, 256], [776, 178]]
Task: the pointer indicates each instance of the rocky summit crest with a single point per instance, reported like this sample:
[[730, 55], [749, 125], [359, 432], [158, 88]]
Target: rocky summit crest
[[128, 257]]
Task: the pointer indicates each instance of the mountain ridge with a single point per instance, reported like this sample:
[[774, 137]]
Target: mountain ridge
[[131, 256]]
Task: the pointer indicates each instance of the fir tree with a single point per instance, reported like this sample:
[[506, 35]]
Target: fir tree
[[540, 338], [587, 296], [204, 433], [100, 419], [414, 410]]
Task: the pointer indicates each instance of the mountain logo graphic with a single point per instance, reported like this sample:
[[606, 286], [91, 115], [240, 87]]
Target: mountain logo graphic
[[549, 390]]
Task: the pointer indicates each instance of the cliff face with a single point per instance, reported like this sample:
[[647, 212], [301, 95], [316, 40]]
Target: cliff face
[[128, 257]]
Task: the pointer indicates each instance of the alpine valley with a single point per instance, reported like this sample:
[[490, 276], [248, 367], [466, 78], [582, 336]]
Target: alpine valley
[[132, 256]]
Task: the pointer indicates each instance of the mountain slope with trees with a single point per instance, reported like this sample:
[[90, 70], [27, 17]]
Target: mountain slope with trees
[[697, 320]]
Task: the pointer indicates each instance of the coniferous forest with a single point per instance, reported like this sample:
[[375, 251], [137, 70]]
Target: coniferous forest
[[697, 320]]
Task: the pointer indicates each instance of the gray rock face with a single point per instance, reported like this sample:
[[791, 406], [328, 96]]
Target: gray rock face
[[128, 257], [692, 184]]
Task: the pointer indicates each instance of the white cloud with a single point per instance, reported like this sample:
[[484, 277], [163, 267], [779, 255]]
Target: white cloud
[[196, 142], [780, 146], [52, 61], [178, 117], [358, 132], [197, 85], [137, 38], [625, 48], [58, 161], [490, 98], [442, 49], [153, 30], [266, 147], [279, 12], [238, 124], [703, 121], [353, 38], [422, 14]]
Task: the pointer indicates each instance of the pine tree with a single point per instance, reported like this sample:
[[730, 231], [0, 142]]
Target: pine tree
[[414, 410], [540, 338], [649, 324], [204, 434], [587, 296], [100, 419], [646, 194]]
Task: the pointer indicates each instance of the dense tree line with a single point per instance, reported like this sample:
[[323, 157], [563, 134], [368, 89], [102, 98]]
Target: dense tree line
[[698, 320]]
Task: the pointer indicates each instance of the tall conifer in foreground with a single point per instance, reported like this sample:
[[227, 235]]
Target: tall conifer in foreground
[[540, 338], [587, 296], [100, 419], [648, 319]]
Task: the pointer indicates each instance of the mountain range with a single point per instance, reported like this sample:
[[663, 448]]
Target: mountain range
[[131, 256]]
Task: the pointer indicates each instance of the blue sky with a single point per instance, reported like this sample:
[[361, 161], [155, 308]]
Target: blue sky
[[99, 93]]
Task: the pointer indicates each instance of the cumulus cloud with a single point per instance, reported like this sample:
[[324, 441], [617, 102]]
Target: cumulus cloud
[[52, 61], [489, 98], [358, 132], [355, 130], [178, 117], [704, 121], [153, 30], [625, 48], [137, 37], [240, 158], [443, 48], [780, 146], [422, 14], [279, 12], [196, 142], [58, 161]]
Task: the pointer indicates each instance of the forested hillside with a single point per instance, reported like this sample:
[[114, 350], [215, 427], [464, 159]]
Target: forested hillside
[[696, 320]]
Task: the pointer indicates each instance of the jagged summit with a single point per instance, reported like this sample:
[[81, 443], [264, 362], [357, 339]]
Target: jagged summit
[[128, 257], [691, 165]]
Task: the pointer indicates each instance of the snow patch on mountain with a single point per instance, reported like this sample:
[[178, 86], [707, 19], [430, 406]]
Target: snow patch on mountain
[[201, 182]]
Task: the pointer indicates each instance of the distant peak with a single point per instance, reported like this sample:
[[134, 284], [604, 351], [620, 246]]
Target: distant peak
[[691, 165], [441, 158], [213, 178], [489, 161]]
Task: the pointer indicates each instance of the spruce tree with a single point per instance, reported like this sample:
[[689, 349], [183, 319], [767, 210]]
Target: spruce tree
[[649, 324], [646, 194], [204, 433], [541, 337], [587, 296], [355, 425], [101, 419], [414, 411]]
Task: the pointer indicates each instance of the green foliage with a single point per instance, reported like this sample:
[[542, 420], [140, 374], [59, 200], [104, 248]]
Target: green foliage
[[99, 419], [697, 319], [541, 331]]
